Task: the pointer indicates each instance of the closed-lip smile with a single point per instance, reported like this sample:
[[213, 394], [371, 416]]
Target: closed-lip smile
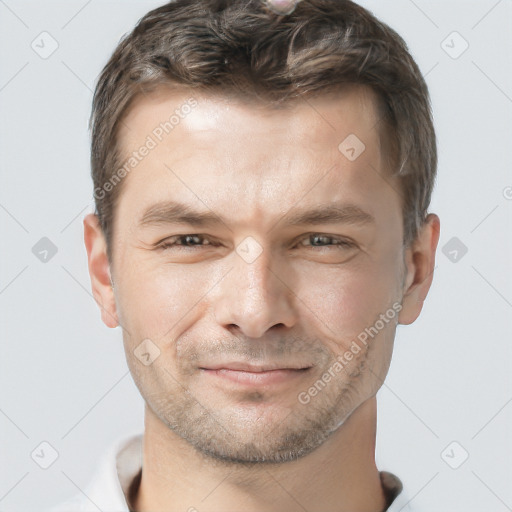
[[250, 375]]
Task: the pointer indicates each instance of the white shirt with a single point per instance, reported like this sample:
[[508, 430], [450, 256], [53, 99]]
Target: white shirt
[[120, 469]]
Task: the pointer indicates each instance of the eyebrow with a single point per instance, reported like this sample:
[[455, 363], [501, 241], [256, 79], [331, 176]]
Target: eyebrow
[[173, 212], [331, 214]]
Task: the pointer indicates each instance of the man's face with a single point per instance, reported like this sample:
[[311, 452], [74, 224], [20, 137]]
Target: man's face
[[296, 250]]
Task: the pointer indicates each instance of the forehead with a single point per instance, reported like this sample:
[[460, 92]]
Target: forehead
[[224, 152], [217, 115]]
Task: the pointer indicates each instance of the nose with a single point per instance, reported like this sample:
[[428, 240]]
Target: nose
[[255, 297]]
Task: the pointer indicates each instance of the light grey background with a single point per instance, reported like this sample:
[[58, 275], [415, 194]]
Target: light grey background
[[63, 375]]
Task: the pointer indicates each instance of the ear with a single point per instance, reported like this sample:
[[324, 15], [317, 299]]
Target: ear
[[99, 270], [420, 262]]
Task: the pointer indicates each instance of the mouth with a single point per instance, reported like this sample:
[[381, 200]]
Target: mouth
[[245, 367], [252, 375]]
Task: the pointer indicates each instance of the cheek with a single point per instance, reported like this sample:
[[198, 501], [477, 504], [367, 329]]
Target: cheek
[[156, 299], [343, 301], [345, 311]]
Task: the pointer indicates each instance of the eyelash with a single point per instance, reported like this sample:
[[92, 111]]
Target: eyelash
[[168, 244]]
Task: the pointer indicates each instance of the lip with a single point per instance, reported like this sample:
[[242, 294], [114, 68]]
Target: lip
[[256, 378], [236, 365]]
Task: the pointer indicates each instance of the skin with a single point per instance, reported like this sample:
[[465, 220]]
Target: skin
[[210, 443]]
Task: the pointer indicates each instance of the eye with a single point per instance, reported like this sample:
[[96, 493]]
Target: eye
[[319, 240], [187, 241]]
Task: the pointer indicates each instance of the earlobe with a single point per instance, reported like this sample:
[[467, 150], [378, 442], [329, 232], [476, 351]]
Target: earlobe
[[420, 263], [99, 270]]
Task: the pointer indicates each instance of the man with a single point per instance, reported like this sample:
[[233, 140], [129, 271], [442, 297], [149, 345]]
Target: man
[[262, 180]]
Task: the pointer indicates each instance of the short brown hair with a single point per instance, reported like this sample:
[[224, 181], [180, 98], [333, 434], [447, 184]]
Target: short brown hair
[[242, 47]]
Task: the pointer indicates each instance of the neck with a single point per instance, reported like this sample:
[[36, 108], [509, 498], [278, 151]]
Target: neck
[[340, 476]]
